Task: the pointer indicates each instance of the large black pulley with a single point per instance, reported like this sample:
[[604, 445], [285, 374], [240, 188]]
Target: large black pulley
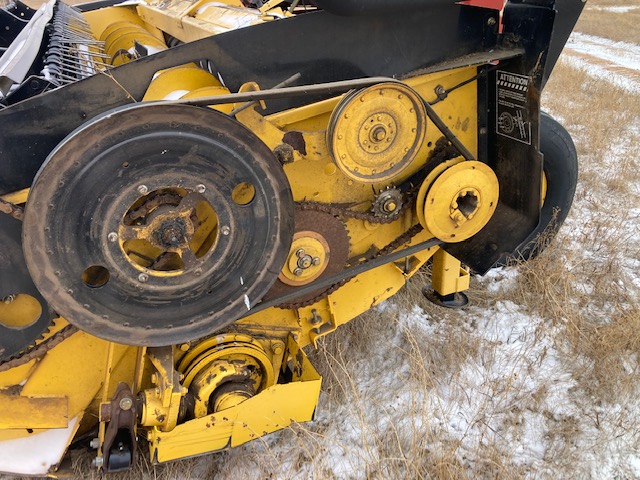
[[24, 314], [157, 224]]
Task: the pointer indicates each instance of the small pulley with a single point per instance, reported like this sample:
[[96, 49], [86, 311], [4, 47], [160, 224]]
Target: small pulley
[[320, 248], [457, 199], [157, 224], [374, 134]]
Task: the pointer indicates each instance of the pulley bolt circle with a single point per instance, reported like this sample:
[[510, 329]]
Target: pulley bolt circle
[[316, 261], [126, 403], [225, 230], [142, 189], [143, 277], [200, 188], [112, 237], [297, 272]]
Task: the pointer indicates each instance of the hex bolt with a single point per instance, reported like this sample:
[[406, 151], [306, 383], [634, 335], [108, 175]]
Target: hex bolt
[[198, 272], [299, 252], [95, 443], [305, 262], [98, 462], [8, 299], [126, 403], [297, 272], [491, 22], [389, 206], [142, 189], [112, 237], [143, 277], [225, 230], [316, 261], [316, 318], [200, 188]]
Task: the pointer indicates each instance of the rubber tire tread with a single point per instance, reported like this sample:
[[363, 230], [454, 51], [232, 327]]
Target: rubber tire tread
[[561, 170]]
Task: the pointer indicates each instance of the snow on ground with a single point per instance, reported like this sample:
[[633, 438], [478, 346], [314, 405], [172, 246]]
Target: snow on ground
[[517, 393], [492, 390], [615, 62], [614, 9]]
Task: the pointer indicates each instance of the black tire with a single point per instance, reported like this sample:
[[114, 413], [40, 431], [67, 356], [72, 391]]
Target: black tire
[[561, 171]]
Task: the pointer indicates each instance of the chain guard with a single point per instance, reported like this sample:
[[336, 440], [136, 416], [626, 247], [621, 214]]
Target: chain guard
[[15, 280], [90, 182]]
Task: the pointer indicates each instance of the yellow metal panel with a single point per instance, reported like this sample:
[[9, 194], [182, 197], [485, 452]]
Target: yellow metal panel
[[32, 412], [74, 369], [448, 276], [17, 197], [273, 409]]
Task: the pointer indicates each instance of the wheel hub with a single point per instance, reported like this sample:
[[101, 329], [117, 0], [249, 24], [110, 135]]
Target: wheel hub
[[168, 232]]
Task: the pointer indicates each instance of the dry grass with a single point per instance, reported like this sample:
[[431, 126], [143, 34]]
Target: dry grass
[[618, 26], [581, 288]]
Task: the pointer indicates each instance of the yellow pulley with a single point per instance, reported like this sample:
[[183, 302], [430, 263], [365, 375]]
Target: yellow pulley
[[456, 201], [375, 133]]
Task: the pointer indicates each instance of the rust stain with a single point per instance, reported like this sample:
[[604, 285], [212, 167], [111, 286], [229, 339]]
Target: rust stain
[[296, 140]]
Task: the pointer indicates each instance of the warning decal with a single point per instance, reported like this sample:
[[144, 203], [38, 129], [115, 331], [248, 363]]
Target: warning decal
[[512, 112]]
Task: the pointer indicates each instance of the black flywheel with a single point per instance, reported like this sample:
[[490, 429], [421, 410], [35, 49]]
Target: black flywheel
[[157, 224]]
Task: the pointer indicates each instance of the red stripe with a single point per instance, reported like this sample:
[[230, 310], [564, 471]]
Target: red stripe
[[492, 4]]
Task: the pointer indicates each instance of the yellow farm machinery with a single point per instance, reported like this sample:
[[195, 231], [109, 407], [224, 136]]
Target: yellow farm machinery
[[192, 192]]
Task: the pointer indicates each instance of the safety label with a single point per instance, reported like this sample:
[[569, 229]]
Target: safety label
[[512, 112]]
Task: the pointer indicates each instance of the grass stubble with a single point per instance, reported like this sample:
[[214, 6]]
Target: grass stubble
[[582, 286]]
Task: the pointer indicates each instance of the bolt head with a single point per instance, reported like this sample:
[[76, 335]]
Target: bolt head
[[305, 262], [297, 272], [225, 230], [390, 206], [142, 189], [300, 252], [491, 22], [126, 403], [379, 134], [98, 462], [200, 188], [143, 277], [112, 237], [316, 261]]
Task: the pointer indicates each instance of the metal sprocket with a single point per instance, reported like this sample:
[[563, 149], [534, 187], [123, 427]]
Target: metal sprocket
[[90, 258], [333, 232]]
